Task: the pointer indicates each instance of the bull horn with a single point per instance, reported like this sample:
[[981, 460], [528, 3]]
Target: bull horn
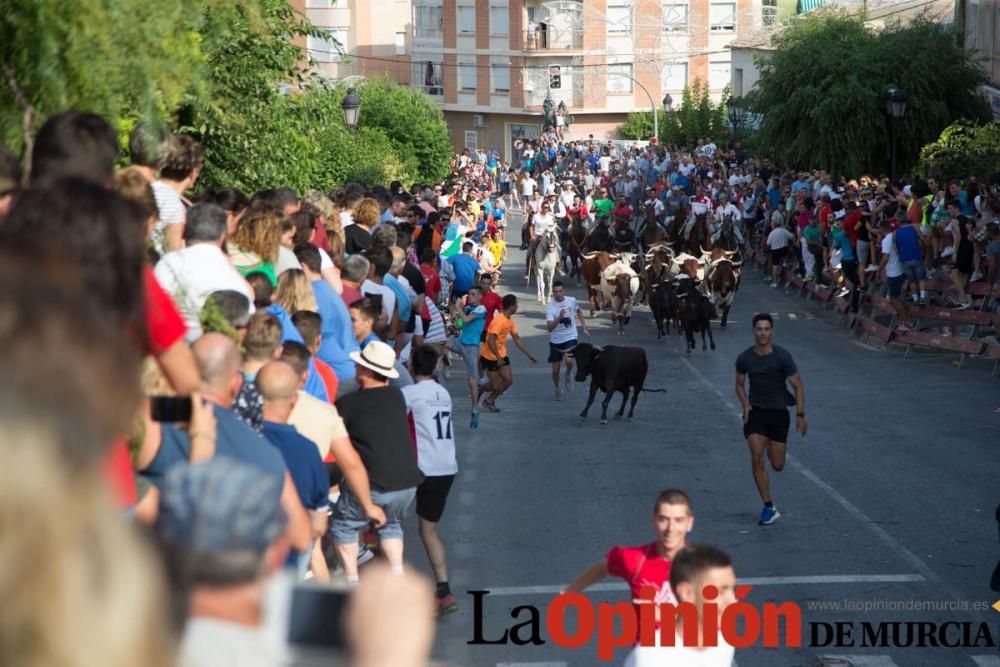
[[590, 255], [738, 264], [705, 252], [729, 254]]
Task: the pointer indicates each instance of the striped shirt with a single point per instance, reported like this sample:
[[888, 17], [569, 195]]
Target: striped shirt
[[434, 329], [171, 212]]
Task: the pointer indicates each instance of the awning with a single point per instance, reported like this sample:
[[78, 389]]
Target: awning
[[808, 5]]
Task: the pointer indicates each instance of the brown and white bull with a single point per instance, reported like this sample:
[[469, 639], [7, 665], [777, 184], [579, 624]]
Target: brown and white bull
[[619, 282], [723, 279], [592, 266]]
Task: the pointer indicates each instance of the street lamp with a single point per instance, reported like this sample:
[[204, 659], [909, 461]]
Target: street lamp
[[668, 103], [895, 107], [352, 108], [735, 113]]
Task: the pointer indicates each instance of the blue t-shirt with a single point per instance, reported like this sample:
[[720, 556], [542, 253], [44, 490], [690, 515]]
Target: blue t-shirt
[[843, 243], [472, 329], [907, 244], [233, 439], [288, 330], [403, 305], [465, 268], [303, 462], [338, 334]]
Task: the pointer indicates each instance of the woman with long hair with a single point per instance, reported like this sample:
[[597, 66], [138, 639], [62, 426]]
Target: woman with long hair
[[254, 246], [294, 292]]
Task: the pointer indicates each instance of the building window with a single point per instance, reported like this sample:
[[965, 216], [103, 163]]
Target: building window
[[499, 20], [328, 50], [466, 20], [466, 76], [675, 76], [620, 78], [722, 16], [675, 17], [400, 43], [427, 22], [971, 25], [501, 78], [738, 82], [718, 75], [619, 19], [471, 140], [427, 76]]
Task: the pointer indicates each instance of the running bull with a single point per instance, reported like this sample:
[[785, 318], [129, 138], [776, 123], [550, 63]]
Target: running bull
[[613, 368]]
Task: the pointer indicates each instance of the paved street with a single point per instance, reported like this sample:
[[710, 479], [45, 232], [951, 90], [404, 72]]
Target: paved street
[[890, 497]]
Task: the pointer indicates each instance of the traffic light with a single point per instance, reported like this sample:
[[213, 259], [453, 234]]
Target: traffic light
[[555, 78]]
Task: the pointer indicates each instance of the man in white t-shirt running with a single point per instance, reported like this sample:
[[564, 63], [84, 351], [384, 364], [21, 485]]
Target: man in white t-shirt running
[[560, 322], [429, 409], [778, 242], [693, 568]]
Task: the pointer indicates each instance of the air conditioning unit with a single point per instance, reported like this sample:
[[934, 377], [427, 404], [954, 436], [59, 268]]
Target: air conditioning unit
[[478, 120]]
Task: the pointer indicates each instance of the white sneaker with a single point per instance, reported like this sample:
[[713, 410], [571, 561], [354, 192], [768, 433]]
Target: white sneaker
[[871, 268], [976, 275]]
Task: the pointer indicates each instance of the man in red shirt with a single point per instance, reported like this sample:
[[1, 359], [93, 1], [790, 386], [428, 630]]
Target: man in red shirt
[[490, 299], [647, 564]]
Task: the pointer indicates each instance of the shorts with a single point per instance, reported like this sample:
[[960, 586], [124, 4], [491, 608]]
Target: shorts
[[493, 365], [896, 286], [470, 355], [505, 188], [349, 516], [914, 270], [778, 255], [432, 495], [768, 422], [558, 350]]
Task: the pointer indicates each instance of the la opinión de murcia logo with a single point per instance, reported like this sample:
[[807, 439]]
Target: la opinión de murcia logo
[[741, 625]]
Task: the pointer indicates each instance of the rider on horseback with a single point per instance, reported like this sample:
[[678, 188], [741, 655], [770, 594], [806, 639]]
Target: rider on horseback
[[541, 223]]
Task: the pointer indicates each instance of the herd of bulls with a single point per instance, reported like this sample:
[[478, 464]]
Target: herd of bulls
[[682, 289]]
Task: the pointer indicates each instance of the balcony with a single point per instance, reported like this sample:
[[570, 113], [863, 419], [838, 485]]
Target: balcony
[[553, 26]]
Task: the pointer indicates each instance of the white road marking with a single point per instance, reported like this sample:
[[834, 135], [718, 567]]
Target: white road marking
[[857, 660], [986, 660], [860, 516], [821, 579]]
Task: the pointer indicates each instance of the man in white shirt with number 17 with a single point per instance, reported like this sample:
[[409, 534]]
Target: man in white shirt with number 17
[[560, 320], [428, 407]]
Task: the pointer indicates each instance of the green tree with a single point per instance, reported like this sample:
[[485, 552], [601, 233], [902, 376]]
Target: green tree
[[412, 122], [822, 91], [963, 150], [118, 58], [697, 117]]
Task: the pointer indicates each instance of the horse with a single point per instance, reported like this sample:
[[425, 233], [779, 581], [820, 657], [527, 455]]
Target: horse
[[699, 234], [546, 259], [600, 238], [675, 230], [651, 233], [576, 237], [728, 237]]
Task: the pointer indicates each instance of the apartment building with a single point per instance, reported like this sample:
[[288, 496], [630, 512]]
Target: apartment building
[[373, 35], [980, 23], [491, 63]]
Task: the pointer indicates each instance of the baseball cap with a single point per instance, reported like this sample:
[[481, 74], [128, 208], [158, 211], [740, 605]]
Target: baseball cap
[[220, 506]]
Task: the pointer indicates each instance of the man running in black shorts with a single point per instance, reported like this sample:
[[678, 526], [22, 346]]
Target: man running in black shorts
[[765, 414]]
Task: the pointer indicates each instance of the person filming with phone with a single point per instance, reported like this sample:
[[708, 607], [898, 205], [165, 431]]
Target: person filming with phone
[[560, 320]]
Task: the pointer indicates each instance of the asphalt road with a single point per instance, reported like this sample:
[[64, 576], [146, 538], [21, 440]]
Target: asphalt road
[[889, 499]]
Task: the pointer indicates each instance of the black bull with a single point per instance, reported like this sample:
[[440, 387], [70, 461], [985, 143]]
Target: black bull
[[613, 368]]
